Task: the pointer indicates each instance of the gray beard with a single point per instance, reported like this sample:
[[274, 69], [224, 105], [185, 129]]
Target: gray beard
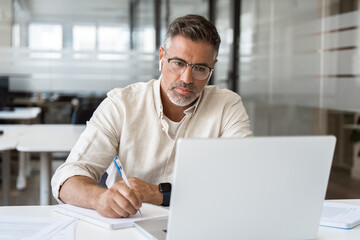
[[181, 100]]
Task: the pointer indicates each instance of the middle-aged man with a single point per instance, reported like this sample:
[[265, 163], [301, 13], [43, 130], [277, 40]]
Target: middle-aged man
[[142, 122]]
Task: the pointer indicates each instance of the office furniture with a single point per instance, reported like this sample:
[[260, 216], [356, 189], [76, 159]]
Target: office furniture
[[21, 113], [47, 139], [355, 171], [4, 90], [89, 231], [83, 230], [8, 142], [84, 109]]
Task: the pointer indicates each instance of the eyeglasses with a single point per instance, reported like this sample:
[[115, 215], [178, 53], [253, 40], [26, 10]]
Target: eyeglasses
[[198, 71]]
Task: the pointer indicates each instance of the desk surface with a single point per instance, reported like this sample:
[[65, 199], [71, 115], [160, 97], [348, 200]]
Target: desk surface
[[21, 113], [9, 139], [8, 142], [49, 138], [89, 231], [84, 230]]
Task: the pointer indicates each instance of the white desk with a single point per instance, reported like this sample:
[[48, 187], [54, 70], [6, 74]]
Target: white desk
[[89, 231], [47, 139], [21, 113], [8, 142], [84, 230]]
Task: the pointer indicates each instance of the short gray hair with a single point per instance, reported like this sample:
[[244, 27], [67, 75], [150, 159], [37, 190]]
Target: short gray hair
[[196, 28]]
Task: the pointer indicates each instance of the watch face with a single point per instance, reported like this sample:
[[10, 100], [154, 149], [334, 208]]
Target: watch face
[[165, 187]]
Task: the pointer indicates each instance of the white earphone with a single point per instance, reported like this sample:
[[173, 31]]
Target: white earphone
[[160, 66]]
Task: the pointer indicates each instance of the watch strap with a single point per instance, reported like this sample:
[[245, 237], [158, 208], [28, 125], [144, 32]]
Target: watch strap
[[166, 199]]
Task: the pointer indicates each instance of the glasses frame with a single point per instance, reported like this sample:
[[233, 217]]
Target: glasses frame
[[192, 67]]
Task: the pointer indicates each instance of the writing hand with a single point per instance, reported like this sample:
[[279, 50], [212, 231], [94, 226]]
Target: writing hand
[[146, 192], [118, 201]]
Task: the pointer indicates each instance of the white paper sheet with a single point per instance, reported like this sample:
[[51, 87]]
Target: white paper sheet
[[31, 228], [340, 215]]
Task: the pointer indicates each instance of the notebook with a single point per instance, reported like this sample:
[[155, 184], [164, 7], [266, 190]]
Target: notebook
[[148, 211], [249, 188], [340, 215]]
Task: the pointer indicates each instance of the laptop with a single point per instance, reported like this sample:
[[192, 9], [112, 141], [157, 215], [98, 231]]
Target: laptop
[[248, 188]]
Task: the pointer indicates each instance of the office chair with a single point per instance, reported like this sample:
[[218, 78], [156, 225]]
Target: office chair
[[84, 109]]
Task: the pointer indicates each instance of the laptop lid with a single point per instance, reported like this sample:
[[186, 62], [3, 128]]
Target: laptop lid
[[249, 188]]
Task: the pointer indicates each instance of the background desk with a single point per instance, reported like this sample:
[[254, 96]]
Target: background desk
[[8, 142], [47, 139], [21, 113], [89, 231]]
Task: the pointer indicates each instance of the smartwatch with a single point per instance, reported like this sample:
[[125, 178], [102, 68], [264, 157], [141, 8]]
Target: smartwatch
[[165, 189]]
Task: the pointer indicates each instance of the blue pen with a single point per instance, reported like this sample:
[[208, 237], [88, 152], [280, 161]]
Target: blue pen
[[122, 174]]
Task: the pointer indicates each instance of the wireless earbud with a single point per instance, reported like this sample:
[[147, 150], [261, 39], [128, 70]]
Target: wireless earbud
[[160, 66]]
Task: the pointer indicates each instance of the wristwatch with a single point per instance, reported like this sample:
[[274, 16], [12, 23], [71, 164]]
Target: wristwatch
[[165, 189]]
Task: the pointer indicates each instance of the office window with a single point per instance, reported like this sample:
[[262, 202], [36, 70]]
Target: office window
[[113, 39], [84, 38], [45, 36], [145, 38]]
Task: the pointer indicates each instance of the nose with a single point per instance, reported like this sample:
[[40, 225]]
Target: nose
[[186, 77]]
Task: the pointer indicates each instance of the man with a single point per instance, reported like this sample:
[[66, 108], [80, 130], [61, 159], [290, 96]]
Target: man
[[142, 122]]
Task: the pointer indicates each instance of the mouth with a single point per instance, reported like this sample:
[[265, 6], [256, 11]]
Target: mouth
[[184, 91]]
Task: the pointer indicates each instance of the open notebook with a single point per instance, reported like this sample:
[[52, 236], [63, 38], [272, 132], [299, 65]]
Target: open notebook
[[148, 211], [340, 215]]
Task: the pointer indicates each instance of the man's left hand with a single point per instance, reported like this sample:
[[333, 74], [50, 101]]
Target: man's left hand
[[146, 192]]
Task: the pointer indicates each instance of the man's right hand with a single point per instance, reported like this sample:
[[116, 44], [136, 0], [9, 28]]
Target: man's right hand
[[118, 201]]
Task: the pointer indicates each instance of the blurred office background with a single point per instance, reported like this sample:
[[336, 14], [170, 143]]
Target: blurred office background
[[296, 63]]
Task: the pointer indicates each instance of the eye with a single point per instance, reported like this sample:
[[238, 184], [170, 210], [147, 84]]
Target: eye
[[178, 63], [200, 68]]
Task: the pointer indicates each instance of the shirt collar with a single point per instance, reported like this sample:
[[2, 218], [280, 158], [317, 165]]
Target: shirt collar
[[159, 106]]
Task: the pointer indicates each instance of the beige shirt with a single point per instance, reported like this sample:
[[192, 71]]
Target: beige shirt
[[130, 123]]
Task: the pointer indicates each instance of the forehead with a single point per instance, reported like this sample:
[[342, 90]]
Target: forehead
[[191, 51]]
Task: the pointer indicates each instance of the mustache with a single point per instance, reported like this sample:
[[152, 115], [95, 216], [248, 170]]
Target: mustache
[[184, 85]]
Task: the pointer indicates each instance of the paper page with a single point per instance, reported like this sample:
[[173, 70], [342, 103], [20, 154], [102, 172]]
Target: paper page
[[62, 230], [340, 215], [15, 227], [148, 211]]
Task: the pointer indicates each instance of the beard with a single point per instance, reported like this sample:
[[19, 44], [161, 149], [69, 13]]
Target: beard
[[180, 99]]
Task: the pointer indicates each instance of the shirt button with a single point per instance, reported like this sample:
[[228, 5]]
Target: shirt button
[[163, 129]]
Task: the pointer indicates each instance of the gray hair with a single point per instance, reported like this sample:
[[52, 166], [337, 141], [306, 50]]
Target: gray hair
[[194, 27]]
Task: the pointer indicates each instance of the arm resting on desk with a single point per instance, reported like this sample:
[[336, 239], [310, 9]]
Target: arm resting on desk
[[117, 201]]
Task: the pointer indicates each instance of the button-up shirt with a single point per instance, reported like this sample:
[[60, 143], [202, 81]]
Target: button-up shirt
[[130, 124]]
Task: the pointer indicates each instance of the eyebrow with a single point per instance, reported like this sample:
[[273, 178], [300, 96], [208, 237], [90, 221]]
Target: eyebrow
[[201, 64]]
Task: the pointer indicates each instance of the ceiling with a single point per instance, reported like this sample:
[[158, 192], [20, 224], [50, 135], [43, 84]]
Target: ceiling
[[100, 11], [76, 10]]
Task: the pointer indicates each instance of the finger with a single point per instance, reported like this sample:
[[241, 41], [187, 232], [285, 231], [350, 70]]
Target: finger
[[108, 207], [118, 210], [131, 197], [122, 200]]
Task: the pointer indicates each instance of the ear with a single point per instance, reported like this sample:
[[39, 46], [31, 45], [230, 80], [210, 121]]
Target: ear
[[161, 55]]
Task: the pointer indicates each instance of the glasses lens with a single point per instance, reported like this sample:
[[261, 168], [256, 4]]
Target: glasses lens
[[199, 72], [177, 66]]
